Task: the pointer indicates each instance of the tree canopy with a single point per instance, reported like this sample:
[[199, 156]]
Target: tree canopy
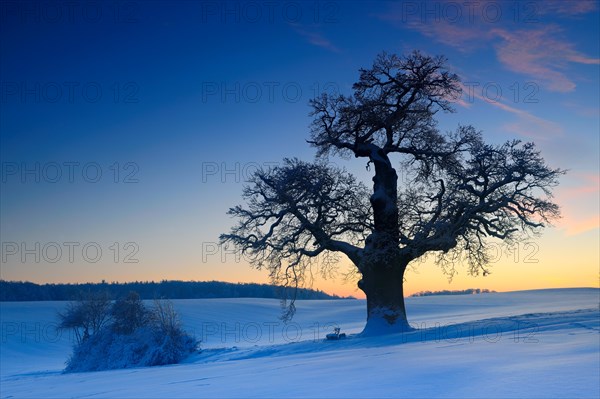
[[460, 192]]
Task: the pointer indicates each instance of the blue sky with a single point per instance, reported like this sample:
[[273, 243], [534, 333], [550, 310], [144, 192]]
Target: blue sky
[[175, 103]]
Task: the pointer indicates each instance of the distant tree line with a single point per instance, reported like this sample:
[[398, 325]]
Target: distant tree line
[[468, 291], [27, 291]]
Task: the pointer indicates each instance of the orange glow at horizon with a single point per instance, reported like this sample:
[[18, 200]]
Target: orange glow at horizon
[[555, 260]]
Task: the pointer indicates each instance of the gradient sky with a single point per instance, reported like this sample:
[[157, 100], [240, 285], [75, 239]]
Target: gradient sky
[[136, 123]]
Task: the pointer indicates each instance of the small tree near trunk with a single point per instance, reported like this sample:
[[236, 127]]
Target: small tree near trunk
[[457, 195]]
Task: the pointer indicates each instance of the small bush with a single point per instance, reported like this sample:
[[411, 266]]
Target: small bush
[[128, 314], [87, 315], [135, 337]]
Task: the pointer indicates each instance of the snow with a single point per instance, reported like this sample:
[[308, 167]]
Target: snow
[[538, 344]]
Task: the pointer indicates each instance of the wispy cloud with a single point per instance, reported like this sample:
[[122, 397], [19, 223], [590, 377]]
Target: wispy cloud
[[464, 37], [589, 184], [576, 218], [575, 226], [526, 124], [314, 37], [566, 7], [540, 52], [583, 110]]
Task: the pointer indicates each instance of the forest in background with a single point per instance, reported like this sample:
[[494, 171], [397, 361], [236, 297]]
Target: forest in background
[[27, 291]]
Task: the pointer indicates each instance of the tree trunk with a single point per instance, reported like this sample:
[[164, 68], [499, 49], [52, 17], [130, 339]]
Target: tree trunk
[[386, 312], [384, 199], [382, 268]]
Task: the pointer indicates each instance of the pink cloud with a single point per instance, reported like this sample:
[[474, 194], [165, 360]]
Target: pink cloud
[[538, 54], [583, 110], [589, 184], [447, 22], [464, 39], [534, 128], [580, 204], [526, 125], [578, 226], [315, 38], [562, 7]]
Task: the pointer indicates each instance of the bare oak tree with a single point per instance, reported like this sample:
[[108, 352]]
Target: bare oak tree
[[460, 193]]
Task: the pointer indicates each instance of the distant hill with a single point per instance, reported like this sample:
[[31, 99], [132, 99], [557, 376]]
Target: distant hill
[[27, 291], [468, 291]]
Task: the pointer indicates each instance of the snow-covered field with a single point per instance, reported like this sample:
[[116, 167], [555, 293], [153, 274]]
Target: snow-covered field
[[538, 344]]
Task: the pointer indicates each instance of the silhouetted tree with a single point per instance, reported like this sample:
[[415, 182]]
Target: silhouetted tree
[[165, 318], [128, 314], [458, 192], [87, 315]]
